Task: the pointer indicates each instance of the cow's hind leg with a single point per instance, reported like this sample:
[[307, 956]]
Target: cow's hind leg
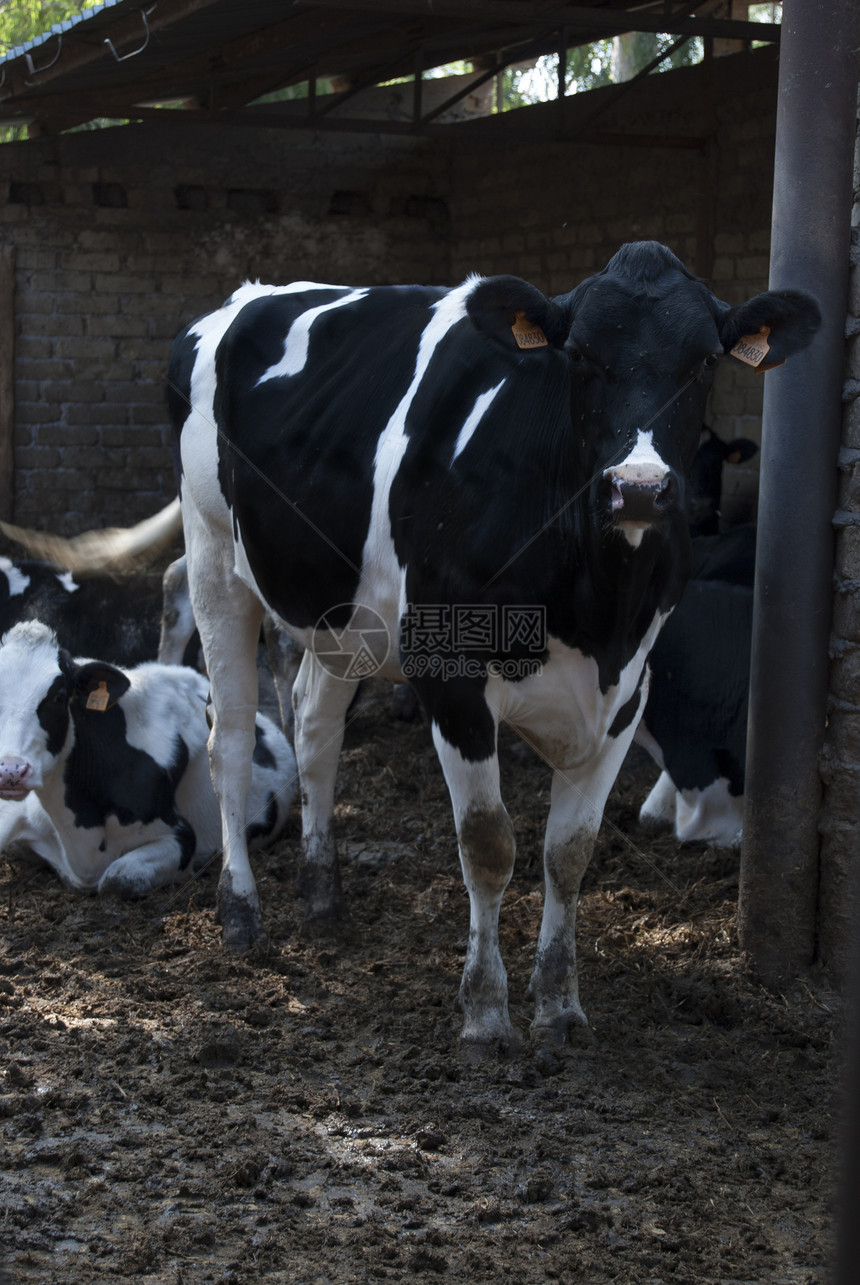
[[320, 703], [228, 616], [487, 850], [577, 802]]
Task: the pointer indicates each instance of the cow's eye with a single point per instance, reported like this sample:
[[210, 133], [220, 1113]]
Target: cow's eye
[[711, 360], [574, 353]]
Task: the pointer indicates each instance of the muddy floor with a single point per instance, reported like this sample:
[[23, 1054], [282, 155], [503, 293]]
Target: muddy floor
[[172, 1115]]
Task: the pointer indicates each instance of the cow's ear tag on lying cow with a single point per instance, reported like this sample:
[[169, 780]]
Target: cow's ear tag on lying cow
[[753, 349], [99, 698], [528, 335]]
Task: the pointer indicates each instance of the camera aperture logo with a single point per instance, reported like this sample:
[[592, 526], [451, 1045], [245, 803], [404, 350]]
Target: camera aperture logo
[[355, 650]]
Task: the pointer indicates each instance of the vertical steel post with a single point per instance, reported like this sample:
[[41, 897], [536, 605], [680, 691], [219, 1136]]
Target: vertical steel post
[[819, 66]]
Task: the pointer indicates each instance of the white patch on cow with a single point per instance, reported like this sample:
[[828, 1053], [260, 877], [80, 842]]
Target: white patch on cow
[[643, 466], [477, 413], [659, 808], [561, 709], [712, 815], [18, 582], [67, 580], [28, 667], [298, 338], [715, 814], [250, 290], [380, 587]]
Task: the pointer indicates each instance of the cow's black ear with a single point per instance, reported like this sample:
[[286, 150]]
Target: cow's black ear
[[98, 686], [787, 320], [516, 314], [741, 449]]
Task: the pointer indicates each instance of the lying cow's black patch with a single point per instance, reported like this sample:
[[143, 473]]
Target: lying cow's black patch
[[53, 714], [263, 756], [106, 776], [263, 824]]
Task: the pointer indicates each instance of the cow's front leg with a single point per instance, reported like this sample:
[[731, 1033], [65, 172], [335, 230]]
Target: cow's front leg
[[139, 871], [577, 802], [320, 702], [487, 850]]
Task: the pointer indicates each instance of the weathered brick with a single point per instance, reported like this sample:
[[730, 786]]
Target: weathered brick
[[848, 553], [67, 393], [108, 412], [37, 457], [90, 261], [65, 435]]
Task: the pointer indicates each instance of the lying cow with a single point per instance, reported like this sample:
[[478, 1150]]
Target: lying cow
[[480, 488], [127, 618], [695, 720], [104, 772], [117, 620]]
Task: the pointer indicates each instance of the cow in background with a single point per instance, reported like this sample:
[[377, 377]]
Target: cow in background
[[705, 489], [695, 720]]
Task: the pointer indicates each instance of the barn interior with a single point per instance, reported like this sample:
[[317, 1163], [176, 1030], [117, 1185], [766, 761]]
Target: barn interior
[[157, 156]]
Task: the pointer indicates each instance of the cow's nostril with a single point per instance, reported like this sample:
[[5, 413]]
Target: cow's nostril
[[14, 775]]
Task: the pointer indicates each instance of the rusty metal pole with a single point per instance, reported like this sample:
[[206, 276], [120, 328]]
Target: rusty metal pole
[[819, 67]]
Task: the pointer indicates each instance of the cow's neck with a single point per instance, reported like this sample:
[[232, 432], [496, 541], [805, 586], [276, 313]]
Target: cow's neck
[[615, 591]]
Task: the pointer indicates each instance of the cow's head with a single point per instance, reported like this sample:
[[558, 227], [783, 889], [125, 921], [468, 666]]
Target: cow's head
[[41, 689], [642, 340]]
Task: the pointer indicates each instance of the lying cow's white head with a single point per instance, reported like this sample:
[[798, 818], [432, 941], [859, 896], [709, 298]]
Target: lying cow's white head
[[39, 685], [642, 340]]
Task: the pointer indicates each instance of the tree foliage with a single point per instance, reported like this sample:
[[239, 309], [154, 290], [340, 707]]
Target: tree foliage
[[22, 20]]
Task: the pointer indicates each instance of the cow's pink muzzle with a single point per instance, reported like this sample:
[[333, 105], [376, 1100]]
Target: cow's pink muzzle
[[15, 782]]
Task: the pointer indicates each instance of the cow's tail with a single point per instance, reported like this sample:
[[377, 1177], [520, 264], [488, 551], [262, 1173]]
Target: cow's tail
[[112, 550]]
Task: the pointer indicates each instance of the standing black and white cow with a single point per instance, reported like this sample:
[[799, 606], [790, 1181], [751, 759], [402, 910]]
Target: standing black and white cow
[[104, 772], [695, 721], [481, 487]]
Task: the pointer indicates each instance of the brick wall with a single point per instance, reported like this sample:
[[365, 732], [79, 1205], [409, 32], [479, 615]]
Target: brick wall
[[840, 762], [122, 237]]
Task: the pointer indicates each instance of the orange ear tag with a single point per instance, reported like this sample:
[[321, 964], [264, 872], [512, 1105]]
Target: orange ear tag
[[528, 335], [99, 698], [753, 349]]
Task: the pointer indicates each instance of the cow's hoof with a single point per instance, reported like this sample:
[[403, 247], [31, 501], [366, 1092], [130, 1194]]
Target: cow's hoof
[[489, 1040], [241, 924], [321, 893], [473, 1052], [569, 1027], [121, 886]]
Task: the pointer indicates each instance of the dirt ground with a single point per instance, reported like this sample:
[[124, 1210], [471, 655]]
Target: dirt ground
[[173, 1115]]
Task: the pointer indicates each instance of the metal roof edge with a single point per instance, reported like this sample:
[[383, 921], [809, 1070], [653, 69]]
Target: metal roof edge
[[58, 29]]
